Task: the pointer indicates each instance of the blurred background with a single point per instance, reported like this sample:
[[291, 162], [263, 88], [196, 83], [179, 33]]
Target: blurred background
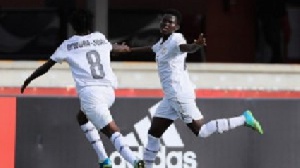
[[251, 62], [238, 31]]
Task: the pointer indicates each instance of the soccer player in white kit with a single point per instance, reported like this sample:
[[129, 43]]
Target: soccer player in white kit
[[88, 55], [179, 96]]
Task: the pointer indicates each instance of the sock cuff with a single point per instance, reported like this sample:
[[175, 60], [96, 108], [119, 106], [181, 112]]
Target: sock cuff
[[153, 143], [114, 136], [153, 138], [87, 126]]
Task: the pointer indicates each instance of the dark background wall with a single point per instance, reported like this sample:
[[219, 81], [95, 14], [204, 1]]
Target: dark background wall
[[231, 26], [48, 135], [230, 31]]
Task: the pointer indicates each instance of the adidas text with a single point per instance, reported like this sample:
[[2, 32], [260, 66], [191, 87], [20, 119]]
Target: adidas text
[[165, 159]]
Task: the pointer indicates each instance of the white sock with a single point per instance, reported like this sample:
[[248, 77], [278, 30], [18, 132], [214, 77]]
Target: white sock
[[151, 150], [237, 121], [118, 141], [221, 125], [93, 137]]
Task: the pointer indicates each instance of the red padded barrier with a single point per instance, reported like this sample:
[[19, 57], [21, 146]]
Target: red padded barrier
[[7, 131]]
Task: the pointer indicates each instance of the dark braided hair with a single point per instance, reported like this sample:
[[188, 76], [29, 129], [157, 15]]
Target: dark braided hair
[[82, 21]]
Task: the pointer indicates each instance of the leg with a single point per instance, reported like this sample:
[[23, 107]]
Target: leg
[[92, 135], [191, 115], [112, 131], [96, 102], [195, 126], [157, 128], [220, 126], [163, 118], [223, 125]]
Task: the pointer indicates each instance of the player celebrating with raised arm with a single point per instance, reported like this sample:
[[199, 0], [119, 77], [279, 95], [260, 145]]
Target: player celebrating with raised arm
[[88, 55], [179, 96]]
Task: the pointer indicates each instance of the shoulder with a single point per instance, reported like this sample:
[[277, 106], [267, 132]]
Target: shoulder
[[178, 36], [64, 45], [178, 39], [98, 34], [70, 40]]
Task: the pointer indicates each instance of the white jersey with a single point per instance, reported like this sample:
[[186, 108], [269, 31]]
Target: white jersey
[[172, 70], [89, 59]]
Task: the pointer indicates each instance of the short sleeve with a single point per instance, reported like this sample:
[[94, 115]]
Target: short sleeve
[[103, 37], [59, 55], [178, 39], [155, 46]]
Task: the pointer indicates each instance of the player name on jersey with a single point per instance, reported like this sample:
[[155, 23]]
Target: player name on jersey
[[85, 43]]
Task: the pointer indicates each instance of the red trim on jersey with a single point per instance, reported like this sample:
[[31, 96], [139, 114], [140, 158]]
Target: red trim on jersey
[[201, 93], [7, 131]]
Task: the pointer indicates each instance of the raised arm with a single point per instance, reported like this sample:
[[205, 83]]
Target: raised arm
[[191, 48], [38, 72]]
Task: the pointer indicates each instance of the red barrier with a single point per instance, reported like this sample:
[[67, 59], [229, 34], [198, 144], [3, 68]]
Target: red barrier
[[7, 131], [201, 93]]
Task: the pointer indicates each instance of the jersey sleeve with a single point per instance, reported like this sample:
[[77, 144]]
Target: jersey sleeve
[[108, 45], [178, 40], [155, 46], [59, 55]]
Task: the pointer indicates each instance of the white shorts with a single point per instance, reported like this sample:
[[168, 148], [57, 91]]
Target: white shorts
[[95, 102], [172, 109]]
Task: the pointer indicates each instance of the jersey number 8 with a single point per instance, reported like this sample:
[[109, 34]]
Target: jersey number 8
[[96, 67]]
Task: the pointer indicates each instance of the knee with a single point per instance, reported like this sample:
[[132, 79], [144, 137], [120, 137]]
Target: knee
[[81, 118], [110, 129], [195, 131], [195, 126]]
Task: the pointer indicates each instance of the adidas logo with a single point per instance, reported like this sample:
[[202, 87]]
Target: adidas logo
[[171, 154]]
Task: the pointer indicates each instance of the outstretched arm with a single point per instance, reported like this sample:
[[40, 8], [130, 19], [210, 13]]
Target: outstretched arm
[[119, 48], [141, 49], [191, 48], [38, 72], [123, 48]]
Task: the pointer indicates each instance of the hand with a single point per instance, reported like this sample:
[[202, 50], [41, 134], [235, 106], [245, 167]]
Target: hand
[[24, 86], [121, 48], [201, 40]]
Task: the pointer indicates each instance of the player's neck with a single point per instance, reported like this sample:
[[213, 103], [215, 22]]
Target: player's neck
[[165, 38], [83, 33]]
